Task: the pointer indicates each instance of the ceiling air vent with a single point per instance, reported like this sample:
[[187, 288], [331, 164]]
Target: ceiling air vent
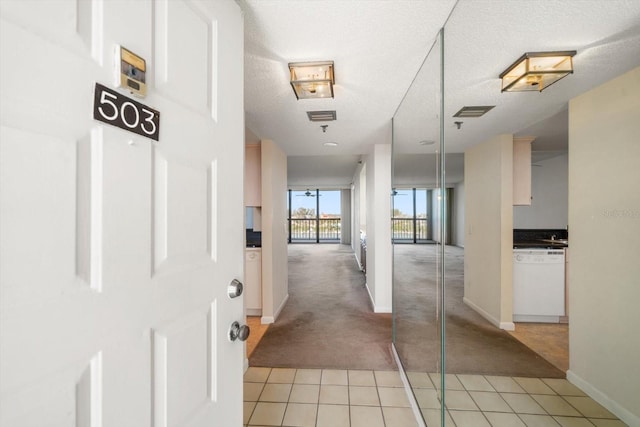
[[322, 116], [476, 111]]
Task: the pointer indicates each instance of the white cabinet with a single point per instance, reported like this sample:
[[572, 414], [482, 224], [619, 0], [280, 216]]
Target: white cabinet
[[252, 176], [253, 281], [522, 170]]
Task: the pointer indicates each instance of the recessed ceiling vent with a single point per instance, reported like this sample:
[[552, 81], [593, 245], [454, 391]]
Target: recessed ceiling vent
[[476, 111], [322, 116]]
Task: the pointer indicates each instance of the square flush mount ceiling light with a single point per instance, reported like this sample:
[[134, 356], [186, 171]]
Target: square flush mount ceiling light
[[312, 79], [535, 71]]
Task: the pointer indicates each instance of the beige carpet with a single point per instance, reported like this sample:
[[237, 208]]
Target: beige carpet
[[328, 321]]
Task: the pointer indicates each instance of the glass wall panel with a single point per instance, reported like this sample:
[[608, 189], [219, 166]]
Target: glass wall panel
[[417, 254]]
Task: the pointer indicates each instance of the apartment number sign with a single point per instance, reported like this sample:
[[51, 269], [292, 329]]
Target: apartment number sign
[[116, 109]]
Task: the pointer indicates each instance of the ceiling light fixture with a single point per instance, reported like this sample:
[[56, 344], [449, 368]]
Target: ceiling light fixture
[[312, 79], [535, 71], [330, 144]]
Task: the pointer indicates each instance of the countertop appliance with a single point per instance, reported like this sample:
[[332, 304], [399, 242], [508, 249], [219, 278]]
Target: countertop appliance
[[538, 285]]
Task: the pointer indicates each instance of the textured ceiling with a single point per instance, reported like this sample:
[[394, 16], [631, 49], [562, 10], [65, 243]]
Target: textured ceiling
[[379, 45]]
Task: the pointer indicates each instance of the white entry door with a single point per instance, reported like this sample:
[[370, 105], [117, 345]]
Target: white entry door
[[116, 250]]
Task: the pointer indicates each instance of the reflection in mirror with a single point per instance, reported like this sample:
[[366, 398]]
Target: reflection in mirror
[[416, 219], [446, 292]]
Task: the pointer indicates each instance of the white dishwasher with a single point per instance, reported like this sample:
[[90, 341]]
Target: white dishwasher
[[538, 285]]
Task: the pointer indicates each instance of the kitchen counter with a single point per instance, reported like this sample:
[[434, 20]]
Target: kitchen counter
[[539, 244], [540, 238]]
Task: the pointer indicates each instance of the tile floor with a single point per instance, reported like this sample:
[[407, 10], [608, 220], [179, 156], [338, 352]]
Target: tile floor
[[335, 398]]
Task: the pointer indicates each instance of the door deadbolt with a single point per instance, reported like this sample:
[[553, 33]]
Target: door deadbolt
[[236, 331], [235, 288]]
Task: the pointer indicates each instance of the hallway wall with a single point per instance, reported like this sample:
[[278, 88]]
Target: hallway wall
[[275, 282], [604, 219], [489, 230]]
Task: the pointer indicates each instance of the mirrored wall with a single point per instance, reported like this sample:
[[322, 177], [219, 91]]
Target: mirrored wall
[[418, 206], [447, 283]]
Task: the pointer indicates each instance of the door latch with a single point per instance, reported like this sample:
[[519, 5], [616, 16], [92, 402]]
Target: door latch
[[235, 288], [237, 331]]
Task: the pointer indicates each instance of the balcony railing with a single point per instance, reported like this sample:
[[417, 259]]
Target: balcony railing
[[409, 229], [314, 229]]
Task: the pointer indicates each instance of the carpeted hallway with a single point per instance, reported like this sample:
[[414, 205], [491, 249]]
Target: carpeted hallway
[[328, 321]]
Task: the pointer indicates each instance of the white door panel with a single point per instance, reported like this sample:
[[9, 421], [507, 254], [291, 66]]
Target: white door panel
[[116, 251]]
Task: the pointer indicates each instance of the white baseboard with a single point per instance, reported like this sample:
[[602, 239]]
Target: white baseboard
[[536, 319], [507, 326], [266, 320], [279, 310], [407, 389], [614, 407], [374, 307]]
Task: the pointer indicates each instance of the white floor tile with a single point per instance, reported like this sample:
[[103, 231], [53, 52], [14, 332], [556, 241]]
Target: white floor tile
[[523, 404], [251, 391], [275, 393], [362, 378], [367, 396], [531, 420], [399, 417], [419, 380], [334, 394], [555, 405], [427, 398], [333, 416], [256, 375], [534, 386], [433, 418], [308, 376], [334, 377], [388, 379], [489, 402], [268, 414], [501, 419], [589, 407], [504, 384], [457, 399], [300, 415], [282, 376], [305, 393], [475, 383], [366, 416], [573, 422], [393, 396], [469, 419], [563, 387]]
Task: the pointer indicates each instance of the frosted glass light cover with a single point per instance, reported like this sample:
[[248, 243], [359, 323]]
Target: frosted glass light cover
[[312, 79], [536, 71]]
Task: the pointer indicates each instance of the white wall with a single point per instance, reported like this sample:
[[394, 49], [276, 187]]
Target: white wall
[[378, 167], [275, 280], [550, 198], [458, 215], [488, 265], [345, 214], [604, 222], [435, 215], [358, 209]]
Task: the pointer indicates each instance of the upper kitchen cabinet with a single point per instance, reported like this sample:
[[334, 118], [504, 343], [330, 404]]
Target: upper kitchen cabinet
[[252, 176], [522, 170]]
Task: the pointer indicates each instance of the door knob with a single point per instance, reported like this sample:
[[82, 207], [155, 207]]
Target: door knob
[[237, 331], [235, 288]]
